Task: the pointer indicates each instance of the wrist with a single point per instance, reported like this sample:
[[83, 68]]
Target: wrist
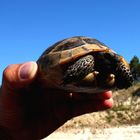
[[4, 135]]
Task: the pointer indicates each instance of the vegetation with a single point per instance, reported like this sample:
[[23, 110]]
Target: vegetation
[[126, 111], [135, 67]]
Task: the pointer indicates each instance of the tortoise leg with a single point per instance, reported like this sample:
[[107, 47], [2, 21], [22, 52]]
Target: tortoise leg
[[79, 69], [124, 77]]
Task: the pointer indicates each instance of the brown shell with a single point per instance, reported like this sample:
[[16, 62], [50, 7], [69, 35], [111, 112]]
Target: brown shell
[[69, 49], [63, 52]]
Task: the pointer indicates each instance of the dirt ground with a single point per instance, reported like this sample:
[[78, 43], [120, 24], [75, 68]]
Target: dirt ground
[[116, 133], [122, 122]]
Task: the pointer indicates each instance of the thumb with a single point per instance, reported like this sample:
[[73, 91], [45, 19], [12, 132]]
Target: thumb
[[19, 75]]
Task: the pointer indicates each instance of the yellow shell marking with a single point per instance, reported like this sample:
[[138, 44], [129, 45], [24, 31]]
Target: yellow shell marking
[[68, 55]]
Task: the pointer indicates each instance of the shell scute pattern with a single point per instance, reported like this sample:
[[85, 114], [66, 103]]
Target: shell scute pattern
[[75, 47], [70, 49], [68, 55], [74, 53]]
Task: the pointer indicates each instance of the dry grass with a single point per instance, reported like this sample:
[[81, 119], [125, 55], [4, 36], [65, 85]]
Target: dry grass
[[120, 122], [126, 111]]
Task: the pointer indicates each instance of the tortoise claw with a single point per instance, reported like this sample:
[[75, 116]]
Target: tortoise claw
[[91, 77], [110, 80]]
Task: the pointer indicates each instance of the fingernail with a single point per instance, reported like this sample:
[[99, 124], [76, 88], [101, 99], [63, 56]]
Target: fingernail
[[25, 70]]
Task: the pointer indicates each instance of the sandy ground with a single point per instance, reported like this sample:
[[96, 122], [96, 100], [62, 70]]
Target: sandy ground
[[120, 133]]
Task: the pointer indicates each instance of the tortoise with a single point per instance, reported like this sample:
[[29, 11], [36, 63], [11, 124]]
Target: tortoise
[[83, 65]]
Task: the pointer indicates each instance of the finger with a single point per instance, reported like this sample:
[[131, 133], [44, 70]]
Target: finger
[[91, 106], [18, 75], [105, 95], [84, 96]]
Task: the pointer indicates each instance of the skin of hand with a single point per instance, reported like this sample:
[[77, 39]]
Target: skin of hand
[[34, 113]]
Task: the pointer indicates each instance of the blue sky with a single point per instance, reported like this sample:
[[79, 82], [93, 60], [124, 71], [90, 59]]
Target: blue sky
[[28, 27]]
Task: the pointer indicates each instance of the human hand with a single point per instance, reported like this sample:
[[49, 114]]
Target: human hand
[[33, 113]]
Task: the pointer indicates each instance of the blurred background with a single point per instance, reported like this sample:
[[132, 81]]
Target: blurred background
[[28, 27]]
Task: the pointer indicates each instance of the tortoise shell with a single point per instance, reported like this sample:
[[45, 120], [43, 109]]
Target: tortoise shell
[[61, 66]]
